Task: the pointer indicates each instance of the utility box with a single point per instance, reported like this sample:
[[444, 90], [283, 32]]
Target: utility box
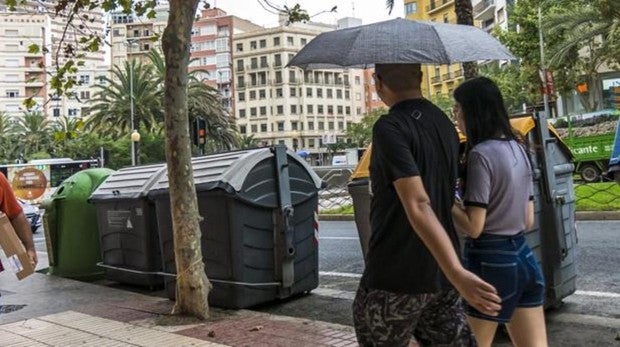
[[259, 226], [128, 226]]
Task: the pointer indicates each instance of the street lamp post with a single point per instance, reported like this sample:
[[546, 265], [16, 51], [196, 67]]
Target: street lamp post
[[542, 64], [130, 43], [135, 147]]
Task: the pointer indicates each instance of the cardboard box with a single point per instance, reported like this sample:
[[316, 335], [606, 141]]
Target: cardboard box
[[17, 259]]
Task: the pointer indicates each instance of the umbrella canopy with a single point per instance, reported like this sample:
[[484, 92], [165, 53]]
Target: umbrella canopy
[[399, 41]]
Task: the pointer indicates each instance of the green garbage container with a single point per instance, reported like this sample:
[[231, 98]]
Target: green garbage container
[[71, 228]]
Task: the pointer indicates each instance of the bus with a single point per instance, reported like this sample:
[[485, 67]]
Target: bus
[[37, 179]]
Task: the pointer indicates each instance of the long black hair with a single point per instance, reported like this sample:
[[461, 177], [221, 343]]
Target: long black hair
[[483, 111]]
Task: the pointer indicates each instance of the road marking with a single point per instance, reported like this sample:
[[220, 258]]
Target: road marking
[[334, 293], [597, 294], [579, 292], [340, 274], [338, 238], [585, 319]]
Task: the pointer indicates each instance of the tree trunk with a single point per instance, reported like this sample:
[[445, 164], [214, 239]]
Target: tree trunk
[[192, 284], [464, 15]]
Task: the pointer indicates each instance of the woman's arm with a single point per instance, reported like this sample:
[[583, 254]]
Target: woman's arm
[[469, 220], [529, 215]]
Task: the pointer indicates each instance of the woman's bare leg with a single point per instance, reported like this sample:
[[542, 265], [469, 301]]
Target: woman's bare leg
[[484, 330], [527, 327]]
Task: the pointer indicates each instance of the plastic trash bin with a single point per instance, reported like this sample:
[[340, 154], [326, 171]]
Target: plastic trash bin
[[553, 236], [127, 226], [259, 228], [72, 237], [360, 194]]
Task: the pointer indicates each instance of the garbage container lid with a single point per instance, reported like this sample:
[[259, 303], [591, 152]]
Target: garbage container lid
[[229, 170], [128, 183]]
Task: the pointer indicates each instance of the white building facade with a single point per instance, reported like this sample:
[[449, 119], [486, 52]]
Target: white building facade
[[280, 105]]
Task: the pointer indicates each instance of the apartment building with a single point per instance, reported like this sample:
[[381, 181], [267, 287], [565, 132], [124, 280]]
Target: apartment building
[[489, 14], [24, 73], [211, 49], [132, 37], [437, 79], [291, 106]]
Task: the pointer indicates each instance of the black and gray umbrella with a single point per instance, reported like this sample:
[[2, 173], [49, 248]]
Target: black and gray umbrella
[[399, 41]]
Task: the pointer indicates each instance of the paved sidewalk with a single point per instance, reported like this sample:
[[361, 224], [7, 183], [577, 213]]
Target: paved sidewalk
[[54, 311]]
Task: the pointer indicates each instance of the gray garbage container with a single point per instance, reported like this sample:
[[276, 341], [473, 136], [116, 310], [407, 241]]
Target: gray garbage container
[[255, 251], [127, 226]]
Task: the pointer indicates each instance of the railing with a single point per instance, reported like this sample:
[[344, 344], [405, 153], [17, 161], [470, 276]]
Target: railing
[[436, 5], [436, 79], [335, 198]]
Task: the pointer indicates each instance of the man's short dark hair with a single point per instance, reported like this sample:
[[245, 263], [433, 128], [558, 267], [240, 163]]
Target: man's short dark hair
[[399, 77]]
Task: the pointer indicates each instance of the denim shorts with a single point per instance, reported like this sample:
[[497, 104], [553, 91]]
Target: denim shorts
[[507, 263]]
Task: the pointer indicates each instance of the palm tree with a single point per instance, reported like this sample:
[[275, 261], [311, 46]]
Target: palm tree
[[33, 130], [591, 38], [247, 141], [465, 15], [111, 110], [203, 101], [9, 146]]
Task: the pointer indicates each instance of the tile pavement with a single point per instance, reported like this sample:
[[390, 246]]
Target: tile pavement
[[148, 323]]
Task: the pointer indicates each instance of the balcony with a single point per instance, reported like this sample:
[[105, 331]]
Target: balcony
[[484, 10], [436, 79], [437, 5]]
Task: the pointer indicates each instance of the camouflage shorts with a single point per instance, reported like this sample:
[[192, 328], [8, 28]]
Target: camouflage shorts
[[384, 318]]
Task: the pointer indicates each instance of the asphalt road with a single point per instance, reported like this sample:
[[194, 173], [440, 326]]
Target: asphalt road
[[590, 317]]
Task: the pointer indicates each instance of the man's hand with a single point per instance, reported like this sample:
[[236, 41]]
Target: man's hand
[[32, 254], [479, 294]]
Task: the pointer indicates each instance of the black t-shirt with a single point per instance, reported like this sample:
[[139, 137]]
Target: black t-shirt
[[414, 139]]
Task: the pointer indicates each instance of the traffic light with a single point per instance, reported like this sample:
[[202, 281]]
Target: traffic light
[[199, 134]]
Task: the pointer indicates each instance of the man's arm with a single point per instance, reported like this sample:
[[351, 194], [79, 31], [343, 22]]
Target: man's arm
[[416, 202], [24, 232]]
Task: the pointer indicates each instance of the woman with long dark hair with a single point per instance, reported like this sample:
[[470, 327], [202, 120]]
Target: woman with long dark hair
[[496, 210]]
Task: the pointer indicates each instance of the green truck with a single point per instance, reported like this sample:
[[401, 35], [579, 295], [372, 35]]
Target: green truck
[[590, 138]]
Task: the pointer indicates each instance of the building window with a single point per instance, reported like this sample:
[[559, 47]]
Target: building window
[[330, 126], [303, 41], [242, 113], [277, 60], [278, 76], [347, 95], [338, 94], [263, 128], [73, 112], [254, 128], [279, 93], [340, 125], [358, 96], [293, 109], [85, 95], [280, 126], [263, 110], [321, 125], [309, 92], [12, 93], [293, 125], [252, 111], [330, 93], [252, 95], [291, 76], [319, 92], [262, 43], [290, 40], [357, 80], [339, 109], [243, 129], [280, 109], [241, 96], [276, 41], [262, 94], [330, 109], [319, 109], [411, 8], [84, 79], [445, 18], [55, 112], [239, 47], [358, 111], [252, 45], [347, 110], [310, 125], [221, 45], [293, 92]]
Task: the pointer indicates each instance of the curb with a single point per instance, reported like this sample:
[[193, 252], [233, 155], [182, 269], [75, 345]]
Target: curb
[[579, 215]]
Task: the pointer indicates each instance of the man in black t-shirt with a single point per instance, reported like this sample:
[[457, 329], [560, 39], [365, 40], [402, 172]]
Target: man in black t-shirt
[[405, 291]]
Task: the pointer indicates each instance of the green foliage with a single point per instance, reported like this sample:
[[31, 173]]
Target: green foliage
[[361, 133], [444, 102], [513, 85], [597, 197], [569, 26]]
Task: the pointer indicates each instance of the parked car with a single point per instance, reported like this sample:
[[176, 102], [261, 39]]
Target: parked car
[[33, 214]]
